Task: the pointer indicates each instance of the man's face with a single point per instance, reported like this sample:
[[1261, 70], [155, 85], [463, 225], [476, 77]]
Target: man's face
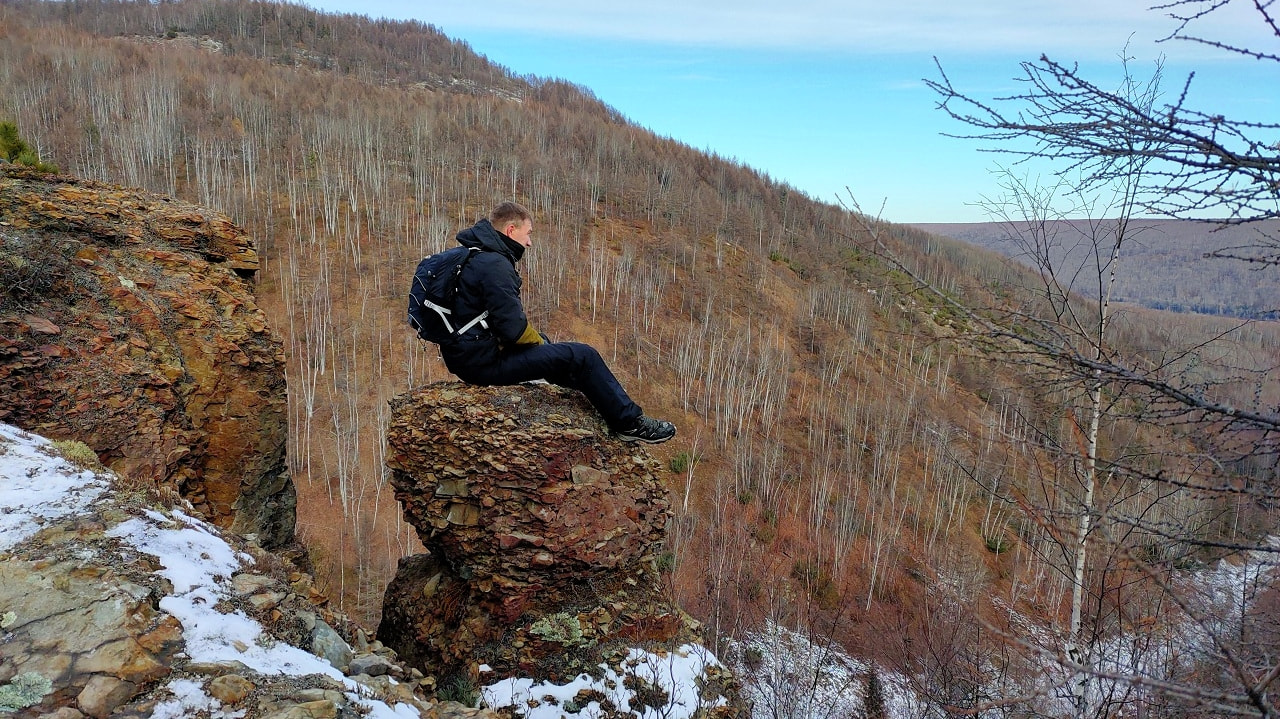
[[522, 232]]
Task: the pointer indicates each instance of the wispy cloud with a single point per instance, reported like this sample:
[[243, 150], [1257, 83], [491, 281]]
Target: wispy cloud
[[1083, 28]]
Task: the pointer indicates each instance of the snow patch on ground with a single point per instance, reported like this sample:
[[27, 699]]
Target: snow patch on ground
[[651, 686], [787, 673], [38, 485], [189, 699], [200, 564]]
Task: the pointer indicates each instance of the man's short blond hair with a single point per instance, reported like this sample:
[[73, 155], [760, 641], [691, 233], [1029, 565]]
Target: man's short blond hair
[[509, 212]]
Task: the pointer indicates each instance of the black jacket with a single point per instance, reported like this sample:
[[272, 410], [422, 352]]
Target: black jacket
[[489, 282]]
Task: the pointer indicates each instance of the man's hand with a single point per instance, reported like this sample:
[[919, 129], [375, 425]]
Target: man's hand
[[530, 337]]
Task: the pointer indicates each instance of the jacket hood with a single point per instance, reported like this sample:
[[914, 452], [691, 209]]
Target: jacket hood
[[486, 237]]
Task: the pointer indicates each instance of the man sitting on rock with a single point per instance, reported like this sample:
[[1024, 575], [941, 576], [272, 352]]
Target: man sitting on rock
[[506, 349]]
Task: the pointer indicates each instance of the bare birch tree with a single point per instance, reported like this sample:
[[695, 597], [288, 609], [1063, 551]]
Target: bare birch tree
[[1145, 450]]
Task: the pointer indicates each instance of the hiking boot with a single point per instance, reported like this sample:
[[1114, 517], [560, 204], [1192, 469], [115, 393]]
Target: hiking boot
[[648, 429]]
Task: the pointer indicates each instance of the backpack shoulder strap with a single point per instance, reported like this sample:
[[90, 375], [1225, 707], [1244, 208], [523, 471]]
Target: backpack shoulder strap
[[457, 271], [451, 291]]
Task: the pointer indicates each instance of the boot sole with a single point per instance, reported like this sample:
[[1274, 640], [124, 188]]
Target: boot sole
[[658, 440]]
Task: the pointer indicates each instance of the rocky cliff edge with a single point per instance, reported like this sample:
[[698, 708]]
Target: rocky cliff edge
[[128, 322]]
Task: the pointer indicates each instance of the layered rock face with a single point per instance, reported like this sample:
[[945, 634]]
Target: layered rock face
[[544, 534], [128, 322]]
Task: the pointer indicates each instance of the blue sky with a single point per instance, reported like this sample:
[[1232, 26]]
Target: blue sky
[[827, 95]]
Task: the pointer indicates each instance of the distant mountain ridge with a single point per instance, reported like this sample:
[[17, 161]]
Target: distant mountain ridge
[[1163, 267]]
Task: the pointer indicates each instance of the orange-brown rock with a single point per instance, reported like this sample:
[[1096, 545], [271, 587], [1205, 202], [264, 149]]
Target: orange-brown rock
[[128, 322], [521, 489], [544, 533], [446, 625]]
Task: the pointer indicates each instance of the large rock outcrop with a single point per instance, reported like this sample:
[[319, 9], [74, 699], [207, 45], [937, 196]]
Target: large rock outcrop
[[545, 536], [128, 322], [520, 487]]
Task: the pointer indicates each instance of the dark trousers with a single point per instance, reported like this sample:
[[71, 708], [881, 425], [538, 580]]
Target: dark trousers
[[568, 364]]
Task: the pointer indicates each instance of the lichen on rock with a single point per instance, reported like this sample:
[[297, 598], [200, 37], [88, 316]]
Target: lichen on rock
[[26, 689], [561, 628]]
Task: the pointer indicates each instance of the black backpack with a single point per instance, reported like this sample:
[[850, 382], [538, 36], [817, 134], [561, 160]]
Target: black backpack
[[435, 285]]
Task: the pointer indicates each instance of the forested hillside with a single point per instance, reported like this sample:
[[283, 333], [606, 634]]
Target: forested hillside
[[847, 460], [1167, 262]]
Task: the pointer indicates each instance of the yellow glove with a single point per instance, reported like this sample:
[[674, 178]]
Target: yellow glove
[[530, 337]]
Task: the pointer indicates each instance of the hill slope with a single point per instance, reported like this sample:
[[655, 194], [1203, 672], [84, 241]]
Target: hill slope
[[839, 456]]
